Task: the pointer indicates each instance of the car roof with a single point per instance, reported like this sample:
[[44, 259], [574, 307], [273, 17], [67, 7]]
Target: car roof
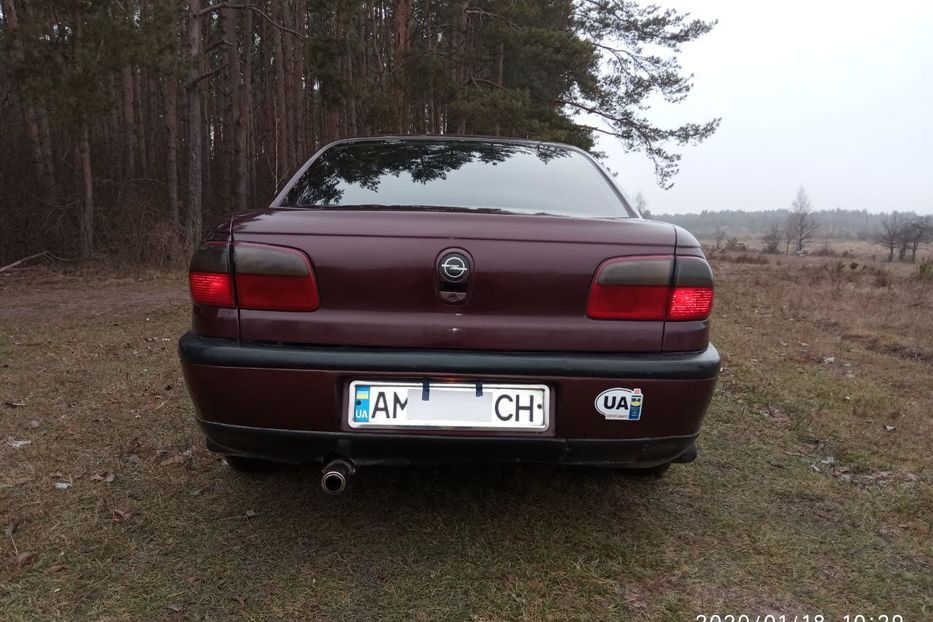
[[452, 138]]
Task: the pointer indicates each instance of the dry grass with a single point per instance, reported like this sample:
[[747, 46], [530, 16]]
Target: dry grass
[[812, 492]]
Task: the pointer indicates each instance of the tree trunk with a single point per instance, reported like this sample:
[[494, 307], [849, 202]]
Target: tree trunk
[[45, 146], [87, 214], [402, 17], [171, 129], [281, 129], [152, 115], [129, 126], [139, 118], [208, 142], [194, 125], [295, 68], [500, 75], [30, 114], [459, 62], [246, 168], [236, 137]]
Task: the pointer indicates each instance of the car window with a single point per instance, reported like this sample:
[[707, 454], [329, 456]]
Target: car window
[[491, 176]]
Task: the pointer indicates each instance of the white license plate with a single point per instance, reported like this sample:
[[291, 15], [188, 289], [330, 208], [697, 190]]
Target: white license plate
[[448, 405]]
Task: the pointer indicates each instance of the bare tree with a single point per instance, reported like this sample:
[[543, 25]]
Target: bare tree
[[641, 205], [918, 231], [719, 239], [892, 231], [772, 239], [788, 235], [801, 223]]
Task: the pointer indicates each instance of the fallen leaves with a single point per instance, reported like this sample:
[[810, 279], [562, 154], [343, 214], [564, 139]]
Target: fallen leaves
[[829, 466], [11, 527], [170, 459], [176, 459], [15, 444], [25, 558], [120, 516], [876, 477], [107, 477], [774, 414]]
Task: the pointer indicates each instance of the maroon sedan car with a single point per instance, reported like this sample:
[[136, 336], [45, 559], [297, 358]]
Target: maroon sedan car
[[437, 299]]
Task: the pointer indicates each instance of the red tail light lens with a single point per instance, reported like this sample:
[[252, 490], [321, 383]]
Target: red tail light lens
[[211, 289], [277, 293], [627, 302], [264, 277], [655, 288], [690, 303], [274, 278]]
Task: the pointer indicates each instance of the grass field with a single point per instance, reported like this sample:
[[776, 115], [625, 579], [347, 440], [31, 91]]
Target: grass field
[[812, 493]]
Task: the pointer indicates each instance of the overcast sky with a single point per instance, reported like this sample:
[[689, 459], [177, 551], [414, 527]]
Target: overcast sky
[[833, 96]]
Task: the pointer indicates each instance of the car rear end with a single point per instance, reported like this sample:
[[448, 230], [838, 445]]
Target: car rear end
[[355, 321]]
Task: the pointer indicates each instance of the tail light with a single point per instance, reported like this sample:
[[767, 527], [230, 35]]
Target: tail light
[[651, 288], [253, 276], [690, 303], [273, 278], [209, 276]]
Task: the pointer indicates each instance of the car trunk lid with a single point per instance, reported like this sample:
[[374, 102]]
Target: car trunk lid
[[379, 279]]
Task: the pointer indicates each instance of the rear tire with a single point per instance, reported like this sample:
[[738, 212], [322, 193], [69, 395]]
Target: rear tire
[[250, 465]]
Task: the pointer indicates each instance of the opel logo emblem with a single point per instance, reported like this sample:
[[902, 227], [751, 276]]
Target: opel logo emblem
[[454, 267]]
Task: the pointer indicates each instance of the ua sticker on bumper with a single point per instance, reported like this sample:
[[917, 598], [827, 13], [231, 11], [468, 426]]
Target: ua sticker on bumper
[[620, 404]]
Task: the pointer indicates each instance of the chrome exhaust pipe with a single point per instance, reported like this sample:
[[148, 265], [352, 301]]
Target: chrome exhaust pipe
[[335, 475]]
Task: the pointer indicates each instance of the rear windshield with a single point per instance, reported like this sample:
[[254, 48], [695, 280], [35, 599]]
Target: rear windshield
[[483, 176]]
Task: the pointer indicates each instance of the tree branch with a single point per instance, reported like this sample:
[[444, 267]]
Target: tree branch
[[477, 81], [227, 5], [216, 44], [23, 260], [209, 74], [476, 11]]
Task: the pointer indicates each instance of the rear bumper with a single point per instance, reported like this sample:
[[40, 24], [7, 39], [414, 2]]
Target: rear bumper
[[669, 366], [289, 403], [298, 446]]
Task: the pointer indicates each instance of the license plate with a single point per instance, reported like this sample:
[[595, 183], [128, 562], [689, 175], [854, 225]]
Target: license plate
[[448, 405]]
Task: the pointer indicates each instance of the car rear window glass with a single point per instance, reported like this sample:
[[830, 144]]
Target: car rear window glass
[[488, 176]]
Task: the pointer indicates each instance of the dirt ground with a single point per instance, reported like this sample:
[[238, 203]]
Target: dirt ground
[[811, 495]]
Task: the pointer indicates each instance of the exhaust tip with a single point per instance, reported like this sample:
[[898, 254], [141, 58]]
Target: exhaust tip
[[333, 482], [335, 476]]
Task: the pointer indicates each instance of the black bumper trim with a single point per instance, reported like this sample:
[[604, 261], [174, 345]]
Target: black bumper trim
[[303, 446], [667, 366]]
